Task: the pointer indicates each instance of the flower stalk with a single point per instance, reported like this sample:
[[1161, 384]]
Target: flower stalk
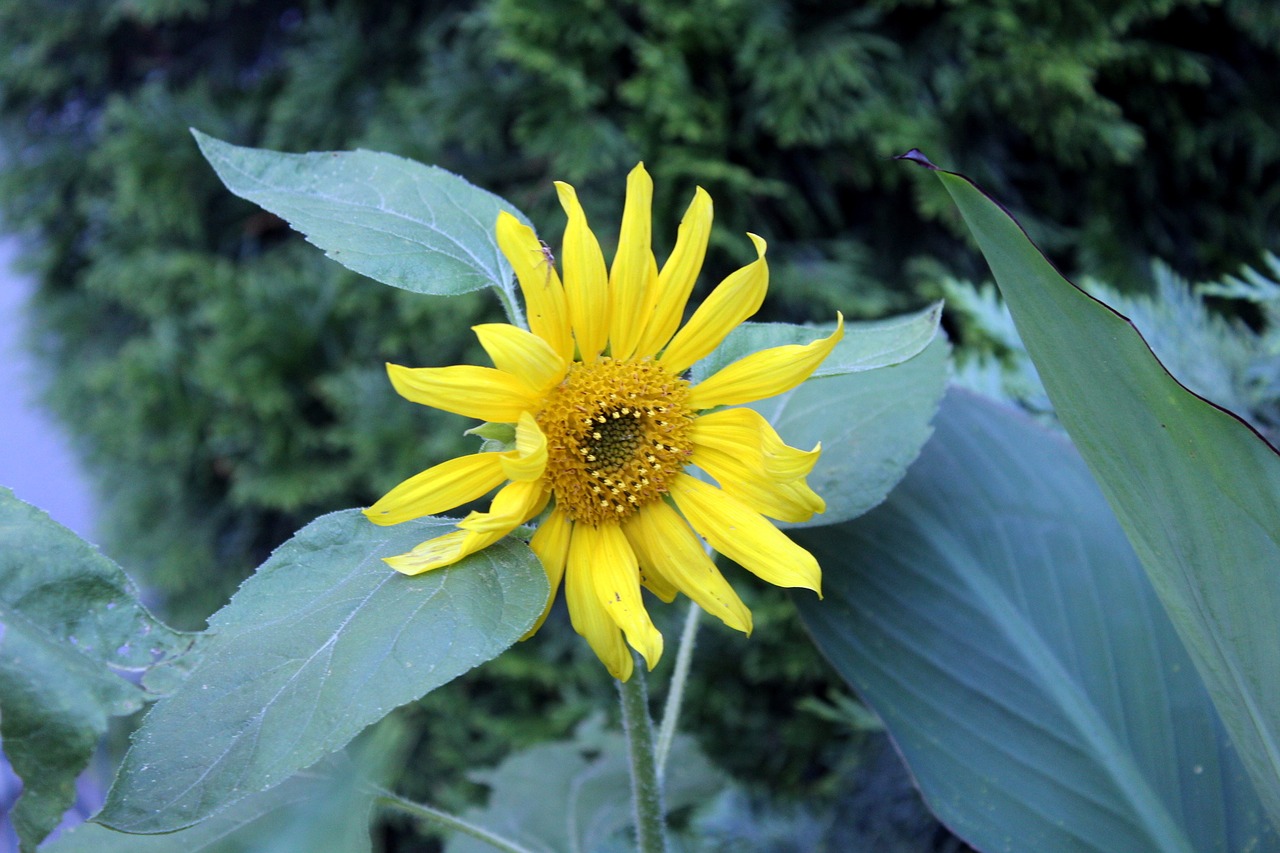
[[675, 692], [646, 788]]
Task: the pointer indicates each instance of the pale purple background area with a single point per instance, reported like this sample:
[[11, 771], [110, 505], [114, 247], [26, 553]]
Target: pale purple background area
[[36, 460]]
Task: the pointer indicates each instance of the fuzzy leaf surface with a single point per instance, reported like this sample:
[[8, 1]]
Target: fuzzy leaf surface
[[417, 227], [325, 807], [322, 641]]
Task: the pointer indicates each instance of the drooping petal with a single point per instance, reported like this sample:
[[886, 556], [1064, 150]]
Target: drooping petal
[[635, 273], [438, 489], [522, 354], [662, 539], [551, 544], [587, 614], [543, 293], [617, 583], [746, 480], [745, 536], [785, 462], [730, 430], [734, 300], [586, 283], [529, 460], [678, 275], [652, 579], [512, 506], [437, 553], [764, 374], [482, 393]]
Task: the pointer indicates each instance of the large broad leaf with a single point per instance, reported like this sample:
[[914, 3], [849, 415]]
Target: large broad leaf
[[994, 615], [869, 404], [321, 642], [1196, 489], [576, 795], [70, 623], [326, 807], [397, 221]]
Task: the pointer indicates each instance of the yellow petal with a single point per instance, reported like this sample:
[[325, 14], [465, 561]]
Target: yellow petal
[[745, 536], [522, 354], [551, 544], [586, 284], [678, 276], [543, 294], [438, 489], [587, 613], [745, 478], [617, 583], [731, 430], [764, 374], [734, 300], [652, 579], [661, 538], [474, 392], [512, 506], [635, 273], [436, 553], [529, 460]]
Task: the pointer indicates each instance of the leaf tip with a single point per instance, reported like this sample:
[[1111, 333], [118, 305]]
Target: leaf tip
[[915, 155], [207, 144]]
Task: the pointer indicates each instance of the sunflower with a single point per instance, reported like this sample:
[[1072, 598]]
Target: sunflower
[[597, 424]]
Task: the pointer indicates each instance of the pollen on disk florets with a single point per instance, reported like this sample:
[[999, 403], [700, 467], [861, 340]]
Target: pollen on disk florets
[[617, 433]]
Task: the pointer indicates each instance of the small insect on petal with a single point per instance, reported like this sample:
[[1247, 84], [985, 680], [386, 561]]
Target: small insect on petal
[[548, 259]]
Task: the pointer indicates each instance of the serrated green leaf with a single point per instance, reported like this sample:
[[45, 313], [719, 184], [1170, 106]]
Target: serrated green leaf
[[576, 794], [70, 619], [1195, 488], [322, 641], [399, 222], [994, 615]]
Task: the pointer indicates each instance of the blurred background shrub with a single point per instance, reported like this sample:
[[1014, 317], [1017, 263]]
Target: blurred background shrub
[[225, 381]]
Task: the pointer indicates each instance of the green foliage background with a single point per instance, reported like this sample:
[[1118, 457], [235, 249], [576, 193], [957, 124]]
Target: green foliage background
[[226, 381]]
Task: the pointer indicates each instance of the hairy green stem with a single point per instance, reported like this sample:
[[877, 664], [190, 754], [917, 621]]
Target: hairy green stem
[[646, 790], [511, 306], [675, 693], [448, 821]]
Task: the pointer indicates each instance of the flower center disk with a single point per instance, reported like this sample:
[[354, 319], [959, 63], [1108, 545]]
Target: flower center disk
[[617, 433]]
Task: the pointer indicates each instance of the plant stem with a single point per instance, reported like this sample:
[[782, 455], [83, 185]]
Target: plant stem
[[646, 790], [449, 821], [675, 693]]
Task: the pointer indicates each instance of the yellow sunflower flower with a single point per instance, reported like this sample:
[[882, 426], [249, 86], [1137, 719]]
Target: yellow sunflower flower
[[603, 424]]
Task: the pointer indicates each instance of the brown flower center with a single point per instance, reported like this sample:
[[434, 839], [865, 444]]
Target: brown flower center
[[617, 433]]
